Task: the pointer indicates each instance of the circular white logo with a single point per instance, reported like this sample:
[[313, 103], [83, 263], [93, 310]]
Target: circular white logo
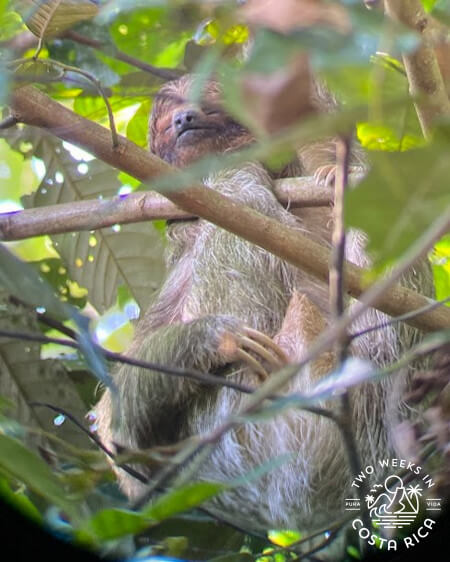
[[395, 503]]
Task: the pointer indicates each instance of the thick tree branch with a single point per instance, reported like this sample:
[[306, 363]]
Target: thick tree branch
[[424, 76], [142, 206], [32, 107]]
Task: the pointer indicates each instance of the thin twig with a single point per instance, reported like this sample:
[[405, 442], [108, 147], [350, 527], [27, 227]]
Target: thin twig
[[397, 319], [75, 421], [337, 298], [67, 68], [130, 470], [163, 73], [203, 378], [94, 438], [331, 537], [336, 283], [332, 527]]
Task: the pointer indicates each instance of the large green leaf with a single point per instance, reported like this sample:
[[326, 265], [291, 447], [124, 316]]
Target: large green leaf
[[20, 501], [154, 34], [110, 257], [25, 378], [206, 538], [24, 282], [137, 128], [94, 108], [114, 523], [21, 463], [182, 499], [400, 198]]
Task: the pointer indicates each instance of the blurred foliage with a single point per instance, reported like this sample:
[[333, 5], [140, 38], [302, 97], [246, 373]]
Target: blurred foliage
[[109, 275]]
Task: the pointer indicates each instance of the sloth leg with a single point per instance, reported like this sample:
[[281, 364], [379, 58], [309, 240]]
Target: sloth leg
[[303, 323]]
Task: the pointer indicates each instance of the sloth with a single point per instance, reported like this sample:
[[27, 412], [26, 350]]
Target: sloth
[[233, 310]]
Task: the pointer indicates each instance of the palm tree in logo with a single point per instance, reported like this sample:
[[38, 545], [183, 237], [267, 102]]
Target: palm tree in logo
[[413, 494]]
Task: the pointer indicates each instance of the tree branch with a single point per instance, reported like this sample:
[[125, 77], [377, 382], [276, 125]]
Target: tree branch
[[141, 206], [163, 73], [32, 107], [203, 378], [337, 307], [26, 40], [424, 76]]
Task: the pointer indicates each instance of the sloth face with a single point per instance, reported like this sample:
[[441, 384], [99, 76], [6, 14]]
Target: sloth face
[[181, 132]]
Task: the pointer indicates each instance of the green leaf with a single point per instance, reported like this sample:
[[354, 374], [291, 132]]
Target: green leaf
[[354, 552], [137, 127], [53, 271], [113, 523], [176, 546], [17, 176], [10, 22], [382, 137], [284, 537], [21, 463], [204, 535], [154, 34], [25, 378], [182, 499], [20, 501], [94, 108], [400, 198], [428, 5], [50, 17], [101, 261], [440, 260], [24, 282]]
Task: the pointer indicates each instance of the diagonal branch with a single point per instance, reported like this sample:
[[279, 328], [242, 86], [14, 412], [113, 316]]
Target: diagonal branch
[[32, 107]]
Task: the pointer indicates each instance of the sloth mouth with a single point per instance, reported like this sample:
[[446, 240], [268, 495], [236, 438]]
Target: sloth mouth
[[193, 132]]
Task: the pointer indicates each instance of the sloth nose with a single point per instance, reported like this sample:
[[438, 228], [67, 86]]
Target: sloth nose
[[185, 119]]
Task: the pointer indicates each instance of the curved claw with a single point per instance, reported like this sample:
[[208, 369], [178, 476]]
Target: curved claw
[[325, 175], [253, 363], [257, 348], [268, 342], [265, 349]]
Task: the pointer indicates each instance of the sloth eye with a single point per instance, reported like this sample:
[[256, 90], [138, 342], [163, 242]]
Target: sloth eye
[[211, 112]]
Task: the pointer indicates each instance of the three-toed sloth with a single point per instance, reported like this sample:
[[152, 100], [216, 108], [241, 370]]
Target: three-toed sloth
[[220, 288]]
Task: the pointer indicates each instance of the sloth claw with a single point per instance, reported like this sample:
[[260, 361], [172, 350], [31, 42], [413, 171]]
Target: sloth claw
[[264, 348], [253, 363], [325, 175]]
